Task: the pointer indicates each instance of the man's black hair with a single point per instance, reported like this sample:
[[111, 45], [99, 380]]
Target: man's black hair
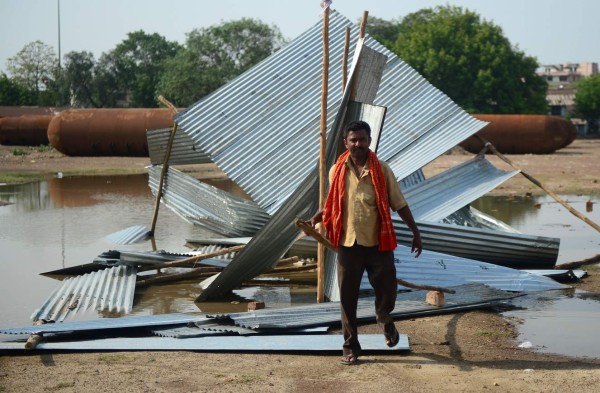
[[357, 125]]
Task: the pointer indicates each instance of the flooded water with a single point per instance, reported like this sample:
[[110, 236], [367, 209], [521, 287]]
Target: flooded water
[[562, 322], [60, 223]]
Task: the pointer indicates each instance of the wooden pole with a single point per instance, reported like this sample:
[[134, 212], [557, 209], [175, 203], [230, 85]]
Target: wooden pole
[[165, 166], [540, 185], [345, 59], [322, 158], [195, 258], [363, 24], [576, 264]]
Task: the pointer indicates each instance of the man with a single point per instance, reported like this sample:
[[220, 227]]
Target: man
[[358, 223]]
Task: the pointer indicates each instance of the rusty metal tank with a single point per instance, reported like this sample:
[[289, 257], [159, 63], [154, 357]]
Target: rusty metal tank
[[523, 134], [106, 131], [28, 130]]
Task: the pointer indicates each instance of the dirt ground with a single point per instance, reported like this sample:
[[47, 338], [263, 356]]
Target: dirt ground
[[472, 351]]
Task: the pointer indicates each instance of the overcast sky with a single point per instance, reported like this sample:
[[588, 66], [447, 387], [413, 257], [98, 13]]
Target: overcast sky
[[552, 31]]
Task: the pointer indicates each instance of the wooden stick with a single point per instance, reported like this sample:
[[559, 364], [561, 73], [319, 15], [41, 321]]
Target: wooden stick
[[195, 258], [206, 272], [540, 185], [576, 264], [165, 166], [345, 59], [309, 230], [363, 24], [322, 153]]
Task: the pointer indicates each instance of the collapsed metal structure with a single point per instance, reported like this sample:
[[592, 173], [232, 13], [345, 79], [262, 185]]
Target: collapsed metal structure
[[260, 130]]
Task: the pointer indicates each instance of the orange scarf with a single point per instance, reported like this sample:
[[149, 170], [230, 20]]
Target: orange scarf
[[332, 212]]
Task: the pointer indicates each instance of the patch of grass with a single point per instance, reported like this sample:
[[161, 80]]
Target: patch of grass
[[247, 378], [2, 389], [59, 386], [493, 333], [19, 152], [21, 177], [44, 148]]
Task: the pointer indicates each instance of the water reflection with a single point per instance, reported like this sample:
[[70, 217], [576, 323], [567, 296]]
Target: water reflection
[[543, 216]]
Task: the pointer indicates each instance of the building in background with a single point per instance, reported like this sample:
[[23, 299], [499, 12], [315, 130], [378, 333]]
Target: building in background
[[562, 87]]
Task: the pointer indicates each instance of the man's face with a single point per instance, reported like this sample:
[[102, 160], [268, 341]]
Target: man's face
[[358, 142]]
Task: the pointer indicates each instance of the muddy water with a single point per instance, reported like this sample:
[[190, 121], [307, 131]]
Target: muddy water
[[563, 322], [59, 223]]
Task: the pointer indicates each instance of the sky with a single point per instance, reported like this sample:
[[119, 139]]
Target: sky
[[552, 31]]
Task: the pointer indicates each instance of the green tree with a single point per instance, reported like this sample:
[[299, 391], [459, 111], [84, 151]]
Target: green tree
[[470, 60], [134, 66], [587, 100], [79, 76], [215, 55], [13, 94], [34, 69]]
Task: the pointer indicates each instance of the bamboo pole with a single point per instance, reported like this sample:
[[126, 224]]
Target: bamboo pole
[[363, 24], [195, 258], [309, 230], [345, 59], [576, 264], [165, 166], [322, 152], [209, 271], [540, 185]]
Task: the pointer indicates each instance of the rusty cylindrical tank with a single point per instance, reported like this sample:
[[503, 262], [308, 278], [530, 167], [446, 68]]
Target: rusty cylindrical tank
[[106, 132], [523, 134], [27, 130]]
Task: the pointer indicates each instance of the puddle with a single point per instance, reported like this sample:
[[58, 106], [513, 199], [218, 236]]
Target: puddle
[[60, 223], [562, 322]]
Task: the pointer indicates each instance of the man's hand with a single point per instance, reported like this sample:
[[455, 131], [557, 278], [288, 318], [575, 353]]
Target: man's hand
[[417, 245]]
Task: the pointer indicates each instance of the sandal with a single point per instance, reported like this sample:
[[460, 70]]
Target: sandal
[[349, 360], [391, 340]]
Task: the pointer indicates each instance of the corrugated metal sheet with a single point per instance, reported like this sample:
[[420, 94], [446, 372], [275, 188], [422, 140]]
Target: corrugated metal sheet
[[276, 237], [508, 249], [278, 343], [129, 235], [461, 185], [407, 304], [432, 268], [207, 206], [110, 289], [131, 321], [183, 150], [471, 217], [278, 103]]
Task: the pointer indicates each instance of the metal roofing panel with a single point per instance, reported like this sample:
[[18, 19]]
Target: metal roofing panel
[[407, 304], [183, 150], [278, 343], [280, 232], [433, 268], [278, 103], [131, 321], [207, 206], [502, 248], [461, 185], [109, 289]]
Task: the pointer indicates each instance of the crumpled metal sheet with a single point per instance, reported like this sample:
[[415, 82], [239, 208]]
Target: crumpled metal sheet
[[277, 102], [109, 289], [206, 206], [467, 296]]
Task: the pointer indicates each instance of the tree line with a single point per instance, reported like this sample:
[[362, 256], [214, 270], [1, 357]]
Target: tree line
[[463, 55]]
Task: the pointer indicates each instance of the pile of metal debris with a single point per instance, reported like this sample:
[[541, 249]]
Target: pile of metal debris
[[260, 130]]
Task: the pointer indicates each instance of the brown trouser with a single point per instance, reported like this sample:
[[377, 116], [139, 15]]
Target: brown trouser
[[351, 264]]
